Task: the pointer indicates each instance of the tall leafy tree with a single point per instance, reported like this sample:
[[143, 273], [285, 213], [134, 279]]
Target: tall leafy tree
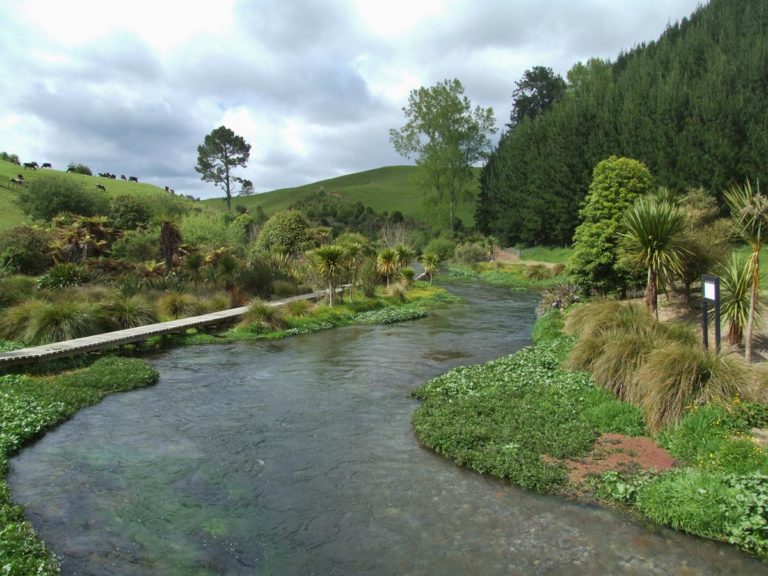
[[690, 105], [447, 137], [221, 151], [749, 209], [595, 265], [536, 92]]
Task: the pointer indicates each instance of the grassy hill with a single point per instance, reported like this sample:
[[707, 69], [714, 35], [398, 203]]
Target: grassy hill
[[389, 188], [11, 214]]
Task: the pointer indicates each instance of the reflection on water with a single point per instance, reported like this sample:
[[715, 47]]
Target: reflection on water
[[297, 457]]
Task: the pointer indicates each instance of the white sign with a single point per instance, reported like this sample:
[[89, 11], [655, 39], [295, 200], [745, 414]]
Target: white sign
[[709, 290]]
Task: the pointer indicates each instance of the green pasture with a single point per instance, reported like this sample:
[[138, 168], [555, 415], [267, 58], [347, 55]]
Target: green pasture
[[389, 188], [11, 214]]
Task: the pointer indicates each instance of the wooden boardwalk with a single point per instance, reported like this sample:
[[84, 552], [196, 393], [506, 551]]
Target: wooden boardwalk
[[130, 335]]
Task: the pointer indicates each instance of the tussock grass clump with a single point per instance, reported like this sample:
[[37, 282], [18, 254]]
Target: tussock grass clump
[[678, 375], [16, 319], [216, 302], [660, 368], [263, 316], [606, 315], [63, 320], [537, 272], [621, 355], [299, 308], [173, 305], [128, 311], [15, 289]]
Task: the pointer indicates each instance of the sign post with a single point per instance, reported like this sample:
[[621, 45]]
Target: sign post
[[710, 286]]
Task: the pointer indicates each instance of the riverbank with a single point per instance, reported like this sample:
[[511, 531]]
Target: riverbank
[[29, 407], [32, 405], [525, 418]]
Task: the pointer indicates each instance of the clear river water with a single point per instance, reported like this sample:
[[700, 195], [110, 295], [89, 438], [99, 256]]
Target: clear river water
[[297, 457]]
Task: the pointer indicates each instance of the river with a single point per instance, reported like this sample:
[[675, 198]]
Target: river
[[297, 457]]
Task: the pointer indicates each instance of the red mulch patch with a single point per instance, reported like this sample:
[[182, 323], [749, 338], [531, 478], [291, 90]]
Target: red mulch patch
[[622, 454]]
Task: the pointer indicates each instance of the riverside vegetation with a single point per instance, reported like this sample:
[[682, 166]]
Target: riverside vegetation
[[522, 417]]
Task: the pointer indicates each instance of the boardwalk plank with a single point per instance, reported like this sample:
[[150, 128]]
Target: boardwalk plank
[[130, 335]]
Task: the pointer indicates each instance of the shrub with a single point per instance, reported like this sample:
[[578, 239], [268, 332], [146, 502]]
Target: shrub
[[78, 168], [469, 253], [286, 231], [255, 278], [26, 249], [126, 212], [285, 289], [594, 265], [443, 248], [48, 196], [138, 245]]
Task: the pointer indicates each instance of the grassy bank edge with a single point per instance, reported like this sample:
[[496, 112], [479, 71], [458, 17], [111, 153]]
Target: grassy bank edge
[[518, 417], [30, 405]]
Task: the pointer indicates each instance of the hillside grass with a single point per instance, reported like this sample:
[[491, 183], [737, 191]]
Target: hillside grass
[[389, 188], [11, 215]]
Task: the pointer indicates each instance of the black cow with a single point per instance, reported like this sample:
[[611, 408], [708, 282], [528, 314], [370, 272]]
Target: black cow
[[31, 166], [122, 176], [101, 187], [46, 165], [132, 179]]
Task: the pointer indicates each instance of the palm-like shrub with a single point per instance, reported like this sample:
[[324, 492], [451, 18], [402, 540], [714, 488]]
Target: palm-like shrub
[[124, 311], [408, 275], [431, 263], [749, 209], [654, 239], [735, 280], [331, 263], [386, 264]]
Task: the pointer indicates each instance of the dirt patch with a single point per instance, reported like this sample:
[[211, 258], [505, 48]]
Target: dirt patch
[[622, 454], [511, 256]]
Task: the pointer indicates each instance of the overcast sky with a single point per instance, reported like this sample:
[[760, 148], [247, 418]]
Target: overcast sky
[[313, 85]]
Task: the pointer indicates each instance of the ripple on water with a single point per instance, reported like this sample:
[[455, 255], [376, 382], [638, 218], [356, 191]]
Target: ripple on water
[[298, 457]]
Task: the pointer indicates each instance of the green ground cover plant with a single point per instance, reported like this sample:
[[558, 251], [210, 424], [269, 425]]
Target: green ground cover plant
[[515, 417], [28, 407]]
